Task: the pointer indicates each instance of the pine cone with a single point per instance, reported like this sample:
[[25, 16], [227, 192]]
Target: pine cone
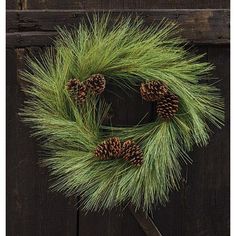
[[167, 106], [71, 84], [81, 93], [131, 152], [153, 90], [109, 149], [96, 83], [77, 90]]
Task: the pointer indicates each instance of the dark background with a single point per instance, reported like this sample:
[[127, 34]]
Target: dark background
[[200, 208]]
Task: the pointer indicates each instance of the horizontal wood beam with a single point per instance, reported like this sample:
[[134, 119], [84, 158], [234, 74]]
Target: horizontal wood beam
[[37, 27]]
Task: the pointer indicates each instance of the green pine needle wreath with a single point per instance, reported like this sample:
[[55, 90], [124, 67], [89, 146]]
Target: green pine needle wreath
[[127, 53]]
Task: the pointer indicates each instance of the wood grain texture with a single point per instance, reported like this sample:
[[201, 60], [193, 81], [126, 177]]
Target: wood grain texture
[[12, 4], [113, 223], [32, 209], [145, 221], [125, 4], [201, 207], [33, 28]]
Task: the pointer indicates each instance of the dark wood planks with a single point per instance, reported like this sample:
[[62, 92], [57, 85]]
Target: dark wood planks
[[11, 4], [125, 4], [146, 222], [201, 207], [28, 39], [198, 209], [114, 223], [34, 28], [32, 209]]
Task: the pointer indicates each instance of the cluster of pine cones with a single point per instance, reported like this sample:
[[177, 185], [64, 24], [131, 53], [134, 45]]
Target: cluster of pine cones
[[167, 103], [78, 90], [113, 148]]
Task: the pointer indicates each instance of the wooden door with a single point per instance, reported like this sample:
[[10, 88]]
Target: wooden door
[[200, 208]]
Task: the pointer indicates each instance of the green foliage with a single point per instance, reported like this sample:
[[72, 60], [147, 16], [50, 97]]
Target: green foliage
[[126, 53]]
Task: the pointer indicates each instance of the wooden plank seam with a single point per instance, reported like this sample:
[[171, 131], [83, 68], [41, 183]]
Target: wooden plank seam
[[37, 27]]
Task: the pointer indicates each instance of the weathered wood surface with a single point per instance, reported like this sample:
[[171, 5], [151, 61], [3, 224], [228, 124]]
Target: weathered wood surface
[[32, 209], [145, 222], [37, 27], [200, 208], [113, 4]]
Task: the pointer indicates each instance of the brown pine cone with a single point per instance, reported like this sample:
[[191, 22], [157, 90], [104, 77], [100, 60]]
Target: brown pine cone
[[153, 90], [77, 91], [168, 106], [132, 153], [81, 93], [96, 83], [71, 84], [109, 149]]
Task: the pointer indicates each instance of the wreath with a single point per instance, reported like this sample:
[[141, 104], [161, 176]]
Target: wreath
[[111, 166]]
